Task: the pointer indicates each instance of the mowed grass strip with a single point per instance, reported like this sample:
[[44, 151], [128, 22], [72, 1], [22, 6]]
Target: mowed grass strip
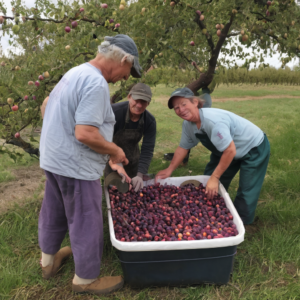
[[267, 263]]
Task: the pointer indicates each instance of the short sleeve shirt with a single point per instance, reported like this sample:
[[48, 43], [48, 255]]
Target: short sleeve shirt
[[222, 127], [81, 97]]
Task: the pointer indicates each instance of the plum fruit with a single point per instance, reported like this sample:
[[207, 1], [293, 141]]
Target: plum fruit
[[169, 213]]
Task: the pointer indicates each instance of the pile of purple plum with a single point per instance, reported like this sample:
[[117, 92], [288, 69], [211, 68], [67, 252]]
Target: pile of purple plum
[[169, 213]]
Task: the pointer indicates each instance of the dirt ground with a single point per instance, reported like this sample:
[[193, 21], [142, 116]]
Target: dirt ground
[[28, 180]]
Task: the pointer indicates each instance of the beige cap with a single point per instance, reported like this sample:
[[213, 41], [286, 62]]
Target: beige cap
[[141, 91]]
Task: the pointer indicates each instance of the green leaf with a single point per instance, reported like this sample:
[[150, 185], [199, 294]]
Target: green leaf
[[62, 13]]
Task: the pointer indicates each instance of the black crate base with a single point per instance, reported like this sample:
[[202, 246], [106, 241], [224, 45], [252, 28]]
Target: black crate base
[[177, 267]]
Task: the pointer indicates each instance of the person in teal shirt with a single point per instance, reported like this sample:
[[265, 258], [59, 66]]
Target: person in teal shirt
[[235, 143]]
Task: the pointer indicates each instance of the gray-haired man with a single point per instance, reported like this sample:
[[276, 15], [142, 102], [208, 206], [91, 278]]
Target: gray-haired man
[[75, 143]]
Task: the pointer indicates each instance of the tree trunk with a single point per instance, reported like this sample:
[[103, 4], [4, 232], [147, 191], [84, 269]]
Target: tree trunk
[[19, 142]]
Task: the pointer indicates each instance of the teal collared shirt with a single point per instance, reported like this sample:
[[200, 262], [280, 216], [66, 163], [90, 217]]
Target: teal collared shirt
[[222, 127]]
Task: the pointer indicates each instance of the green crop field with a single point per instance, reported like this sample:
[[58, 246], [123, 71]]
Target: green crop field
[[267, 264]]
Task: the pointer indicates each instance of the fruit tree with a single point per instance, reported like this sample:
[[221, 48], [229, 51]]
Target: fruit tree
[[52, 38]]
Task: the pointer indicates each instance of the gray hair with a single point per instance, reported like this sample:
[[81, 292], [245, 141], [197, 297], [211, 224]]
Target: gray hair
[[199, 99], [113, 52]]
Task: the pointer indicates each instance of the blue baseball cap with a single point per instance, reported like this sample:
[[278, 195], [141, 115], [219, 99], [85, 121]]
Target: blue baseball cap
[[127, 44], [180, 92]]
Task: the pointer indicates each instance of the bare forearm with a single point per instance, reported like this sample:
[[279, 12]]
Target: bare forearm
[[96, 142], [178, 157], [225, 160]]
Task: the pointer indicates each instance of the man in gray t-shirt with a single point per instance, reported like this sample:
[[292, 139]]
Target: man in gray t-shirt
[[75, 145]]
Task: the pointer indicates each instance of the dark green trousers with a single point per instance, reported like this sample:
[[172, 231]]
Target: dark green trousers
[[253, 167]]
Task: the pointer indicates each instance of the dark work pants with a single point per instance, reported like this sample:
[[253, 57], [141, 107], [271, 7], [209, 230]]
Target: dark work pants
[[253, 167], [74, 205]]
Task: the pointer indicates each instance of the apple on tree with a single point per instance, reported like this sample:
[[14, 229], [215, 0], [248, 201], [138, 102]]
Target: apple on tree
[[104, 5], [37, 83], [192, 43], [46, 74], [198, 12], [74, 24], [121, 7], [218, 32], [17, 135], [245, 38], [30, 83], [10, 101], [201, 18], [67, 29], [81, 9], [67, 47], [15, 107], [3, 63], [41, 77], [25, 97], [33, 97]]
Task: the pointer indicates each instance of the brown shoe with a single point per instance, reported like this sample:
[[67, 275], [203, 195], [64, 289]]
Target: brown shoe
[[101, 286], [59, 257]]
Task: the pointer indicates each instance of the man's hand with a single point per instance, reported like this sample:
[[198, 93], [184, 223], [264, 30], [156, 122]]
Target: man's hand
[[163, 174], [137, 182], [119, 157], [212, 187], [121, 172]]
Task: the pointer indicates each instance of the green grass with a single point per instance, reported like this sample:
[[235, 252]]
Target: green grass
[[7, 164], [23, 159], [247, 90], [231, 91], [267, 264]]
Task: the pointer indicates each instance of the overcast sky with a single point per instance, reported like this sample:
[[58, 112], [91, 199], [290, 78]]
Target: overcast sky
[[272, 61]]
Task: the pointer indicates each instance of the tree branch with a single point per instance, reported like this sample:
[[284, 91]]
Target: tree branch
[[206, 78], [85, 19], [83, 53], [262, 16], [233, 34], [208, 36], [183, 56]]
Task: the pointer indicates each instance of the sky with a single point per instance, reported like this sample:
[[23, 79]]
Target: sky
[[272, 61]]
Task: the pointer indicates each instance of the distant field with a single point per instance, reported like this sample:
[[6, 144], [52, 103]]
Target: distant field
[[230, 91]]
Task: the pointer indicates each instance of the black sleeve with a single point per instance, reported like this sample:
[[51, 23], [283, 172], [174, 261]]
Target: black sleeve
[[147, 148], [120, 110]]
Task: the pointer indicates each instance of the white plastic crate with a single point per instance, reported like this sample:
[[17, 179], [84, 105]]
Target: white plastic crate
[[180, 245]]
